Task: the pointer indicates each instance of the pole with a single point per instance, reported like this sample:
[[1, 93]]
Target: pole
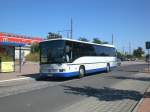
[[148, 60], [130, 48], [71, 28], [14, 58], [20, 59], [67, 34], [112, 39]]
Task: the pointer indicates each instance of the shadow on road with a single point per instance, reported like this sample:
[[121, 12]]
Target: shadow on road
[[37, 77], [104, 94], [132, 78]]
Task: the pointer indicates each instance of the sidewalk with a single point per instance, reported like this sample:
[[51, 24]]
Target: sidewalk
[[144, 105], [28, 70]]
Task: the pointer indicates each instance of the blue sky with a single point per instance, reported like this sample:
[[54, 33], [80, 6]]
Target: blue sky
[[128, 20]]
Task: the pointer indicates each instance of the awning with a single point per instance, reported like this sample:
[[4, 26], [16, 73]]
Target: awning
[[12, 44]]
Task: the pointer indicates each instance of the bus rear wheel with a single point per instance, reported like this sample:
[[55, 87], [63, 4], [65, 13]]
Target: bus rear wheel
[[81, 71]]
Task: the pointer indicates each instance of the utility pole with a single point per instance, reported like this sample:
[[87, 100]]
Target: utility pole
[[67, 34], [112, 42], [130, 48], [123, 50], [71, 28], [148, 60]]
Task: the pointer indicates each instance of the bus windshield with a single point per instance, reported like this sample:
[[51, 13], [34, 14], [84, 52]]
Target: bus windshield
[[52, 52]]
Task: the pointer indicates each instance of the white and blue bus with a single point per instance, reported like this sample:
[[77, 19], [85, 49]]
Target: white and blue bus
[[68, 58]]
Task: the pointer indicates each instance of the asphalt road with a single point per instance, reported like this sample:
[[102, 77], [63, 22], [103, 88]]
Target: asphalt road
[[55, 95]]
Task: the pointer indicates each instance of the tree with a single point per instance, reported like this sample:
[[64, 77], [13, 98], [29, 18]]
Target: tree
[[138, 52], [105, 42], [53, 35], [83, 39], [120, 55], [35, 53], [98, 41], [35, 48], [129, 56]]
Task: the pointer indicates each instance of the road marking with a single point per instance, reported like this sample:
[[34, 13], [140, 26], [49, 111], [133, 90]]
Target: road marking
[[16, 79]]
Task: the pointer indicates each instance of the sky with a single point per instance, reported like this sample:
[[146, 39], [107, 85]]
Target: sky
[[127, 20]]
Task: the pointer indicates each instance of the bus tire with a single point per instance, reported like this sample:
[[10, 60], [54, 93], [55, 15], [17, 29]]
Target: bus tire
[[108, 68], [81, 71]]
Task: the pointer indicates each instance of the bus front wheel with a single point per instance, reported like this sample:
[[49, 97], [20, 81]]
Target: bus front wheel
[[81, 71], [108, 68]]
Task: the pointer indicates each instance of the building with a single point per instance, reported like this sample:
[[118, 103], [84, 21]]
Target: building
[[12, 47]]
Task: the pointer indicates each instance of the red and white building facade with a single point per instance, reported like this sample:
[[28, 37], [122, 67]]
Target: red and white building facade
[[17, 40], [6, 37]]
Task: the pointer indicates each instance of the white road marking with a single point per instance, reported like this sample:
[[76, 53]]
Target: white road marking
[[16, 79]]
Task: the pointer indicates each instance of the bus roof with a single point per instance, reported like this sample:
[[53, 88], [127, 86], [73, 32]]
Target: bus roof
[[106, 45]]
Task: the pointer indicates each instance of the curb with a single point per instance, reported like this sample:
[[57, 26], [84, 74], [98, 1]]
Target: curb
[[15, 79], [137, 105]]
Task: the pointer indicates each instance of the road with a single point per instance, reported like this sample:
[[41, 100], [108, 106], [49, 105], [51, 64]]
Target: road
[[117, 91]]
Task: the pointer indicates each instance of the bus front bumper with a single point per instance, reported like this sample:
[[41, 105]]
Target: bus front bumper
[[60, 74]]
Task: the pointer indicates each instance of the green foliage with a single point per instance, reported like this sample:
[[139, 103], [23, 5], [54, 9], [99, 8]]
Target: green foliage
[[138, 52], [105, 42], [53, 35], [4, 57], [98, 41], [129, 56], [83, 39], [120, 55], [35, 53], [35, 48], [33, 57]]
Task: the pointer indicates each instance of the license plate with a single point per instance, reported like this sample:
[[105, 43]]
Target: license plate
[[49, 74]]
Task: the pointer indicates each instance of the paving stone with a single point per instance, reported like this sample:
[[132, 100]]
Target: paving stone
[[126, 103]]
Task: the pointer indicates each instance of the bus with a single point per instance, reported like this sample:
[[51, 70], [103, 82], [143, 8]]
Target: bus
[[67, 58]]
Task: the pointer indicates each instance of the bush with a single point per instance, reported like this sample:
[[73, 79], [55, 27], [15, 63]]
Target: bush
[[4, 57], [33, 57]]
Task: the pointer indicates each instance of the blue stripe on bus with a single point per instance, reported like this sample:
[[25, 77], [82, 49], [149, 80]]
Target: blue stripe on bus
[[66, 74], [71, 74], [95, 70]]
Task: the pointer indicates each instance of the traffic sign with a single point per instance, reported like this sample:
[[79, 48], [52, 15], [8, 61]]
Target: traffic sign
[[147, 45]]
